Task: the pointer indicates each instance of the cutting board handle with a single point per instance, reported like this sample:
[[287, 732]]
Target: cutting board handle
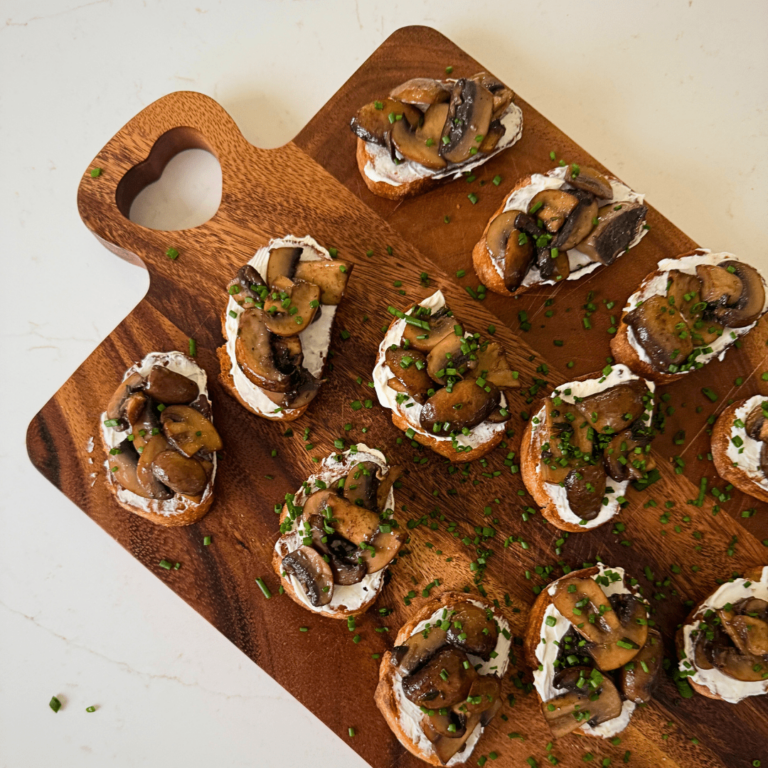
[[136, 157]]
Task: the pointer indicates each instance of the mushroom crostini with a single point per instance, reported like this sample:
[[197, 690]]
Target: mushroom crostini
[[160, 440], [687, 312], [277, 326], [338, 534], [430, 130], [740, 445], [444, 385], [558, 226], [723, 646], [440, 686], [594, 655], [584, 444]]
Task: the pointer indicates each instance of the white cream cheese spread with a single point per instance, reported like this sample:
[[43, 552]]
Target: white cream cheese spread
[[186, 366], [580, 264], [382, 168], [409, 408], [336, 466], [657, 286], [315, 339], [732, 691], [411, 714], [549, 646], [619, 374], [745, 451]]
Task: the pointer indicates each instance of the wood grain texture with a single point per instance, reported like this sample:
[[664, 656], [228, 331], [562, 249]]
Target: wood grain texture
[[312, 186]]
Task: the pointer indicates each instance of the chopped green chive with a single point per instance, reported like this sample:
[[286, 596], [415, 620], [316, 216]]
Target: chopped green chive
[[263, 587]]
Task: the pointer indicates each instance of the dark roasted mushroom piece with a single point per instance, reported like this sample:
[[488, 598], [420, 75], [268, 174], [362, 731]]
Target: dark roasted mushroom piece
[[418, 648], [244, 287], [329, 276], [466, 405], [421, 143], [442, 682], [145, 475], [579, 224], [553, 207], [756, 423], [589, 180], [566, 441], [512, 247], [291, 310], [180, 473], [373, 123], [585, 490], [341, 555], [749, 304], [626, 457], [410, 369], [617, 227], [502, 96], [451, 358], [313, 574], [169, 387], [255, 354], [492, 365], [116, 404], [661, 331], [473, 630], [469, 116], [638, 677], [440, 324], [187, 430], [123, 466], [614, 409], [282, 264], [421, 92], [361, 484]]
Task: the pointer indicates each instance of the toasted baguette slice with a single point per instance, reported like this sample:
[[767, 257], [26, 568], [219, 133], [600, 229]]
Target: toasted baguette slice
[[483, 263], [753, 574], [391, 191], [189, 510], [721, 439], [386, 697]]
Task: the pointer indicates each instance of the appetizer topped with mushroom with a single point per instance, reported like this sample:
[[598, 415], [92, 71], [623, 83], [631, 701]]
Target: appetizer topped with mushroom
[[558, 226], [444, 384], [687, 312], [594, 654], [339, 535], [440, 686], [723, 646], [585, 443], [426, 130], [161, 443], [740, 445], [277, 326]]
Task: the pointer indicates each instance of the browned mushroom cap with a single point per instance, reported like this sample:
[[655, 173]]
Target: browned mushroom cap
[[553, 207], [329, 276], [419, 647], [421, 92], [585, 490], [117, 402], [740, 666], [750, 301], [383, 547], [469, 115], [617, 227], [373, 122], [340, 554], [442, 682], [588, 179], [473, 630], [451, 357], [612, 410], [626, 457], [661, 331], [465, 406], [313, 574], [189, 431], [615, 627], [282, 262], [255, 355], [756, 423], [122, 465], [247, 286], [144, 474], [551, 266], [421, 144], [495, 133], [717, 284], [748, 632], [492, 366], [438, 326], [439, 723], [385, 485], [514, 248], [591, 698], [579, 223], [684, 293], [483, 693], [446, 748], [179, 473], [361, 483], [566, 441], [291, 310], [638, 677], [141, 415], [356, 524], [169, 387], [502, 96], [410, 369]]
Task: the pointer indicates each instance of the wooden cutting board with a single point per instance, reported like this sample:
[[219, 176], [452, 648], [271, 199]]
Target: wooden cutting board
[[312, 186]]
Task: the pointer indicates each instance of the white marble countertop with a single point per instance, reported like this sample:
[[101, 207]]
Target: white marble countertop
[[672, 96]]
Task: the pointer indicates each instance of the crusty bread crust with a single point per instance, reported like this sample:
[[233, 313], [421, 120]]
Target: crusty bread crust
[[391, 191], [340, 613], [624, 352], [721, 439], [385, 697], [194, 511], [753, 574]]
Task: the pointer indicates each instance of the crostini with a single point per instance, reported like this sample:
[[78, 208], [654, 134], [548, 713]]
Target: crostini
[[559, 226], [593, 654], [277, 325], [740, 446], [440, 686], [687, 312], [584, 444], [444, 385], [339, 535], [723, 645], [427, 131], [160, 440]]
